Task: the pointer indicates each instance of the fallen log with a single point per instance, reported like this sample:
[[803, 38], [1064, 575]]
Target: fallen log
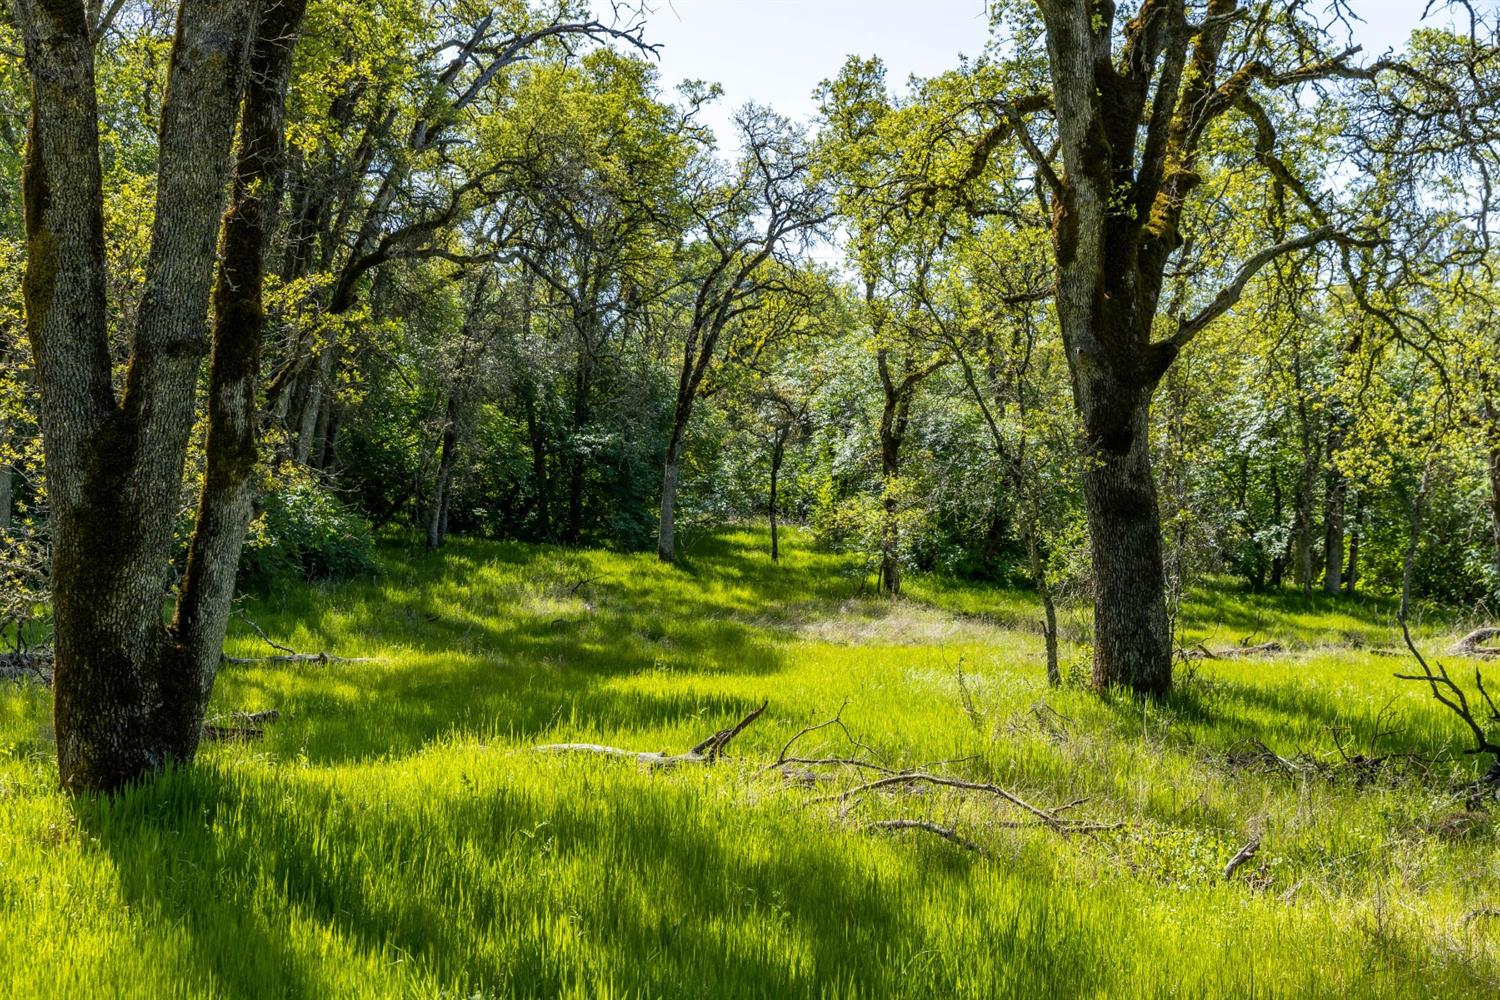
[[1474, 644], [705, 752]]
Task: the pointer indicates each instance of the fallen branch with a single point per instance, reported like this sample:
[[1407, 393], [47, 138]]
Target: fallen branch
[[1245, 854], [705, 752], [1473, 644], [947, 833], [1050, 819], [250, 726], [287, 654], [299, 658]]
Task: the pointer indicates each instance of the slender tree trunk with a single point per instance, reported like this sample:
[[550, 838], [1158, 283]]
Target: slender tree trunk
[[666, 538], [225, 505], [540, 486], [1278, 558], [893, 422], [1351, 576], [1049, 607], [437, 516], [1333, 533], [582, 387], [778, 451], [1492, 418]]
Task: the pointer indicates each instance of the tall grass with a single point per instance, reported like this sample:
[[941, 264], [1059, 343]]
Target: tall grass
[[395, 835]]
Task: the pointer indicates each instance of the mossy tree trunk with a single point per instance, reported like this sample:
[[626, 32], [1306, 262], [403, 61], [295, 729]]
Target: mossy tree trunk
[[1130, 126], [130, 690]]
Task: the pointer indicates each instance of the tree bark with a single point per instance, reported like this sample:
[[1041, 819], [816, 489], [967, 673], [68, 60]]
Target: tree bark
[[1492, 418], [128, 690], [666, 538], [438, 515], [1132, 644], [583, 385], [1351, 576], [1333, 532], [778, 452], [226, 501]]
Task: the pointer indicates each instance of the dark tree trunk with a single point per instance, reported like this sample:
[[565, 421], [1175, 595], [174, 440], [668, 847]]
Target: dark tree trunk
[[541, 488], [1333, 533], [226, 503], [778, 452], [1351, 576], [129, 691], [1132, 643]]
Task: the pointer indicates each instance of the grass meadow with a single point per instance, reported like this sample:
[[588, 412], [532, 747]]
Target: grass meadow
[[395, 834]]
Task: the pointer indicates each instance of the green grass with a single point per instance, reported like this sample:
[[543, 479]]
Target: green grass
[[395, 834]]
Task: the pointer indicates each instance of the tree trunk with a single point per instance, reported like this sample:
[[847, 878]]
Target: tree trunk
[[1333, 533], [1278, 559], [438, 515], [1492, 417], [1351, 577], [895, 416], [128, 692], [582, 387], [1049, 607], [226, 502], [778, 451], [540, 486], [666, 538], [1132, 645]]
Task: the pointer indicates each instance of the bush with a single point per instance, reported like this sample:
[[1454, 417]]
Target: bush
[[304, 530]]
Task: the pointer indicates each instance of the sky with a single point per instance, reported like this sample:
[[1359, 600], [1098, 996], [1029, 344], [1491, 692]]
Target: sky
[[776, 52]]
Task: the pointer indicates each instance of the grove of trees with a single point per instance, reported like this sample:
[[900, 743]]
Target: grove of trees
[[1145, 294]]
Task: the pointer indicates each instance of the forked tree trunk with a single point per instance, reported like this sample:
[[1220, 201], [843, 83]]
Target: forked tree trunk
[[129, 691]]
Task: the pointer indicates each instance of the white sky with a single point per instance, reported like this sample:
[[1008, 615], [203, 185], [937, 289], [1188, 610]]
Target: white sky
[[777, 51]]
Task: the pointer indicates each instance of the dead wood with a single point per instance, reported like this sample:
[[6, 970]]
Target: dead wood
[[299, 658], [247, 726], [1047, 818], [1245, 854], [1474, 644], [27, 666], [287, 654], [705, 752], [946, 832]]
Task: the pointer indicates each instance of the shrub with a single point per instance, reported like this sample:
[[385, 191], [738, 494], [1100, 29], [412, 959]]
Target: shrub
[[304, 530]]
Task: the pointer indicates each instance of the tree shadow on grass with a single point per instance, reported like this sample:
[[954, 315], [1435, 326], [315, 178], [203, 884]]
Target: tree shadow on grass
[[529, 892]]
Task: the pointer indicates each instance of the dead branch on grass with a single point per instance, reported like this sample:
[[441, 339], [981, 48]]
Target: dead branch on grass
[[706, 752]]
